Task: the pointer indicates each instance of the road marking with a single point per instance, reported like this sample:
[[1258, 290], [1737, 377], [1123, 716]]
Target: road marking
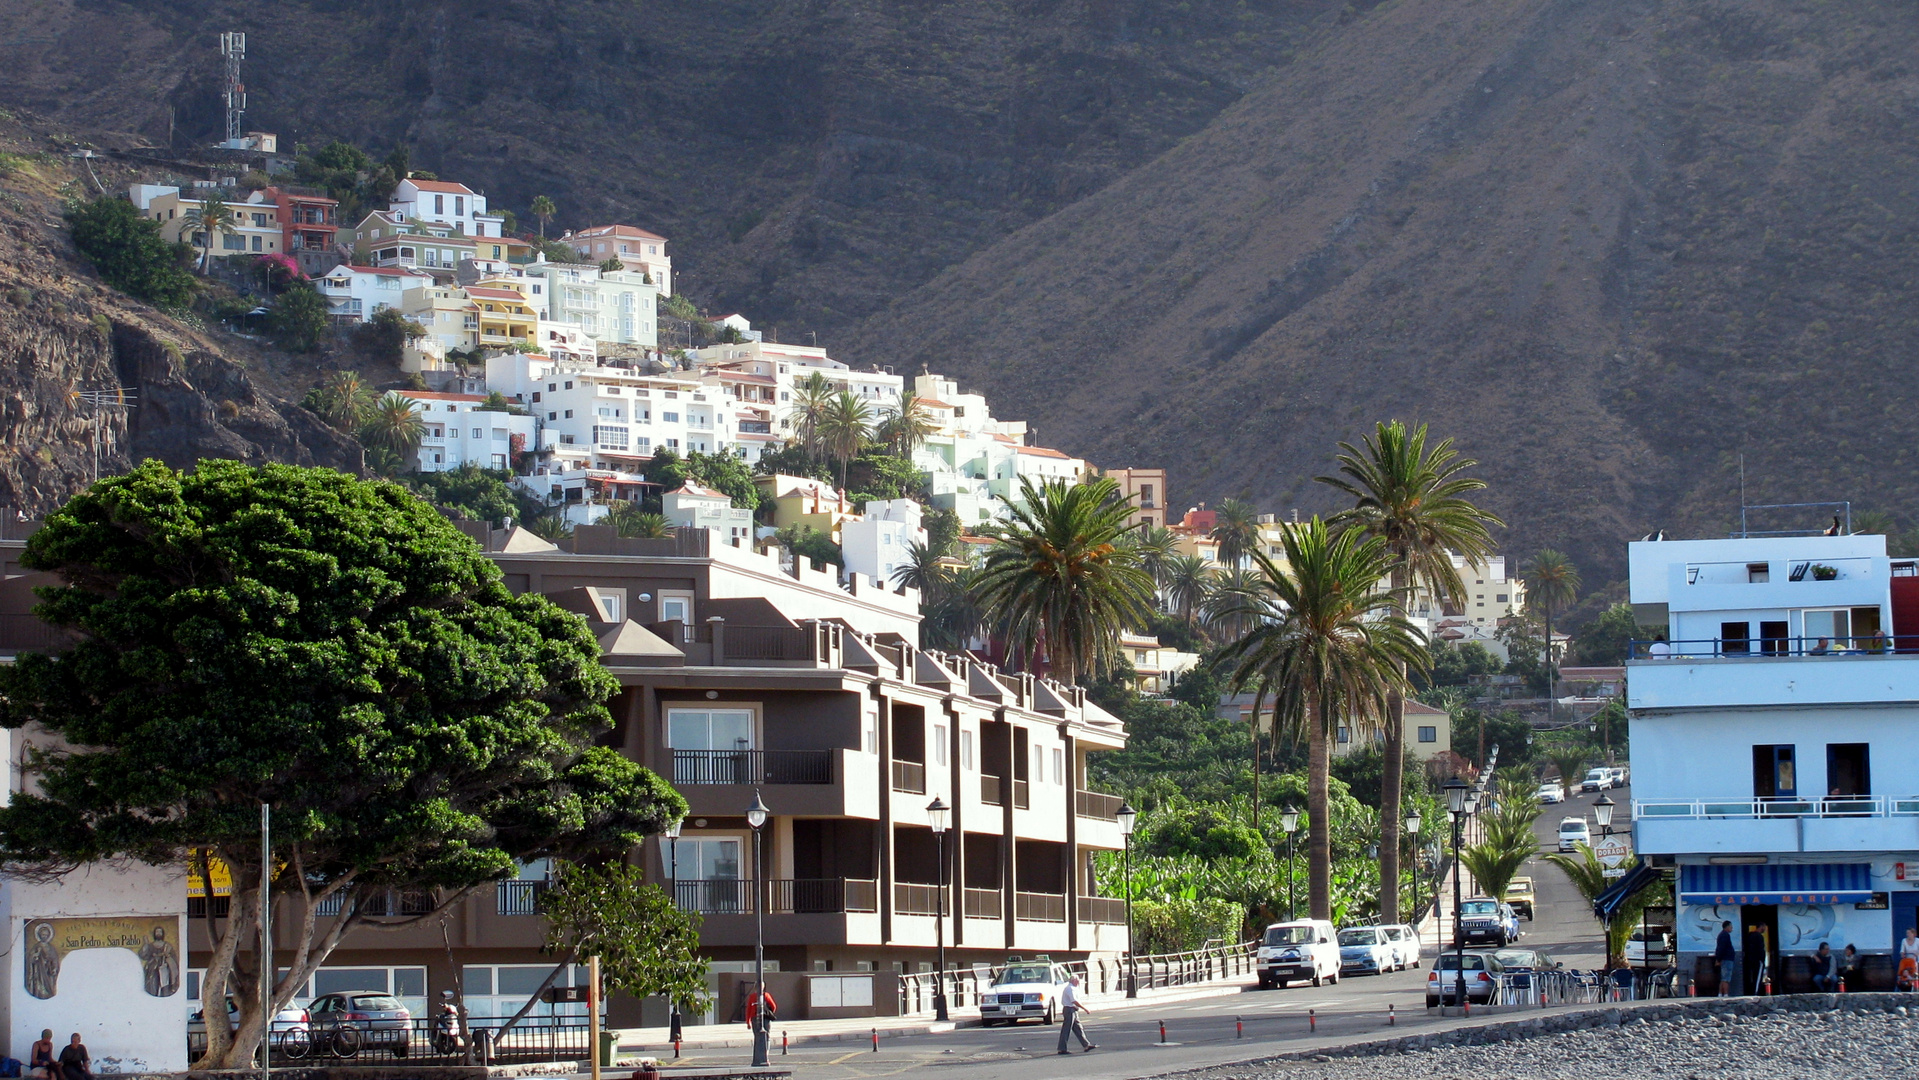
[[848, 1057]]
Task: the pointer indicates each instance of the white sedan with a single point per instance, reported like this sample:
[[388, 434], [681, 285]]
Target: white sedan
[[1551, 792], [1022, 991]]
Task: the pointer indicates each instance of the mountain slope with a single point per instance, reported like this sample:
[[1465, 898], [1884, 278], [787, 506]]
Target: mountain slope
[[1609, 247], [810, 160]]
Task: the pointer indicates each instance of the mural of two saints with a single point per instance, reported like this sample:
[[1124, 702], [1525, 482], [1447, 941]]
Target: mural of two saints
[[149, 938]]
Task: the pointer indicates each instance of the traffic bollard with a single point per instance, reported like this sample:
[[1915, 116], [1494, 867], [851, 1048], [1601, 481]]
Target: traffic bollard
[[1842, 985], [676, 1042], [1239, 1027], [1392, 1013], [876, 1040], [782, 1042], [1312, 1019], [1162, 1032]]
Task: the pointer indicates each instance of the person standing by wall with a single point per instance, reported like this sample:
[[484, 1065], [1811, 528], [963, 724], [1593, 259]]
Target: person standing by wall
[[1726, 959]]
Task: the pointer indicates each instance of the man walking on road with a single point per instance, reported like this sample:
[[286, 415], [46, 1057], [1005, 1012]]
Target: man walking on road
[[1069, 1010]]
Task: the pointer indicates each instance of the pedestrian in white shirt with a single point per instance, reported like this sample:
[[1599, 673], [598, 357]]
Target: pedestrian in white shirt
[[1070, 1008], [1659, 650]]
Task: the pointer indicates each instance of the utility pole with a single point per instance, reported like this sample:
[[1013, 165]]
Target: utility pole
[[233, 46]]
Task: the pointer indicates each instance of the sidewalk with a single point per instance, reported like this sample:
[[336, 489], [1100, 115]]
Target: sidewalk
[[655, 1041]]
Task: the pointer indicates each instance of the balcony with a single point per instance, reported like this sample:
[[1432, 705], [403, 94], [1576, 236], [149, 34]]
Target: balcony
[[1097, 805], [518, 897], [992, 792], [1742, 824], [784, 896], [1039, 907], [1779, 671], [914, 899], [752, 766], [1105, 910], [982, 903], [910, 777]]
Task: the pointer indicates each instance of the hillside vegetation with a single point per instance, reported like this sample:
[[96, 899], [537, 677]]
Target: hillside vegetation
[[1610, 247]]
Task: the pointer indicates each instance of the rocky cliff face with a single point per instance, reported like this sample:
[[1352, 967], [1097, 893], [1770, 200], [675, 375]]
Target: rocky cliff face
[[85, 370]]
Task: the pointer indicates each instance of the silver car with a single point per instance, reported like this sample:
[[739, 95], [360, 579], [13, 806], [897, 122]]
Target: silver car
[[382, 1022]]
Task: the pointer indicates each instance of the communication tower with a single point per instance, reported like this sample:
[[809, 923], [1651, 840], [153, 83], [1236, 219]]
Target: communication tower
[[233, 46]]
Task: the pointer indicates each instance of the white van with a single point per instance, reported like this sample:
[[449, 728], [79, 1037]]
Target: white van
[[1302, 949], [1597, 780], [1574, 831]]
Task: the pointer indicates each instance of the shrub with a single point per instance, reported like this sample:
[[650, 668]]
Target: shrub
[[299, 319], [129, 252]]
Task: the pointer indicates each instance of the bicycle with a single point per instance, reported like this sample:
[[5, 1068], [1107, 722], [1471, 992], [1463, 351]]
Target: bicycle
[[340, 1042], [296, 1042]]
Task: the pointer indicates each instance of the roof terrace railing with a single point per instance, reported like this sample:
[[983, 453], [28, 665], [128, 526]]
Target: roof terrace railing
[[1772, 648]]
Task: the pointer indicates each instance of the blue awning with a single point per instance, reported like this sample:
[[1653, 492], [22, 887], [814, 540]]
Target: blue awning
[[1776, 883], [1640, 876]]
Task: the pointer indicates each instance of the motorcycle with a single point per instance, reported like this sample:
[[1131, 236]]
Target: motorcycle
[[446, 1032]]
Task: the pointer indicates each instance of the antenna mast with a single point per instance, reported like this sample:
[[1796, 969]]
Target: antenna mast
[[233, 46]]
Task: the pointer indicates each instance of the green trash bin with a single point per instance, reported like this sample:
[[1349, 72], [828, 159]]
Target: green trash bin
[[609, 1046]]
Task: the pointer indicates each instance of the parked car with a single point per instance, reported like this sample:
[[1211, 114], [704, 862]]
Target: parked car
[[1618, 776], [1366, 950], [383, 1023], [1574, 831], [1022, 991], [1650, 945], [1519, 964], [1304, 949], [1520, 895], [1406, 945], [1552, 791], [286, 1019], [1597, 780], [1485, 919], [1482, 971]]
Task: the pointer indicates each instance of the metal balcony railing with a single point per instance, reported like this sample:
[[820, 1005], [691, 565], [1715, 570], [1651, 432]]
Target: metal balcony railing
[[1102, 909], [983, 903], [1097, 805], [912, 899], [805, 896], [714, 896], [1746, 806], [752, 767], [910, 777], [519, 897], [1039, 907]]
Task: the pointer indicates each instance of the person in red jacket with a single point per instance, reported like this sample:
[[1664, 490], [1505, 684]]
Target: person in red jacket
[[753, 1009]]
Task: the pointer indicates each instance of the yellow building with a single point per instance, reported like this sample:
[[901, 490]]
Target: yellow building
[[506, 318], [803, 501]]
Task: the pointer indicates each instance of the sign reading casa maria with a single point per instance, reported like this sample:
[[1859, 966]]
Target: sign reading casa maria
[[148, 937]]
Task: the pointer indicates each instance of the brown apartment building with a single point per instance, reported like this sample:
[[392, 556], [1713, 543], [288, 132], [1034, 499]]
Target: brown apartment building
[[738, 677], [1147, 487]]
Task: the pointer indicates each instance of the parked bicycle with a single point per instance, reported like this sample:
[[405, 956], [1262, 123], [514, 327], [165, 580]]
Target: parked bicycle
[[339, 1042]]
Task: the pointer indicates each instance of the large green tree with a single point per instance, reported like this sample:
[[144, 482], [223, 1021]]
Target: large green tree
[[1327, 647], [129, 252], [1414, 498], [1060, 578], [331, 648], [211, 216], [300, 317], [1236, 531], [843, 429]]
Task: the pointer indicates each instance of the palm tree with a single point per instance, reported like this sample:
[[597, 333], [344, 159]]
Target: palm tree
[[1552, 582], [1236, 531], [1326, 647], [1224, 611], [907, 425], [843, 429], [1414, 499], [211, 215], [395, 426], [1157, 548], [1061, 578], [629, 520], [812, 396], [543, 209], [958, 615], [925, 570], [1189, 580], [343, 401], [1588, 875], [550, 527]]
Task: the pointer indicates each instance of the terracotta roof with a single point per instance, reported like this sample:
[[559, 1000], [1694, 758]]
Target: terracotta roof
[[691, 488], [933, 403], [1420, 708], [616, 230], [384, 271], [1040, 451], [755, 436], [742, 376], [441, 185], [486, 293]]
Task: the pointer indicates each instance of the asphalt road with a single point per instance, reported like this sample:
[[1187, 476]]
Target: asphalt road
[[1207, 1031]]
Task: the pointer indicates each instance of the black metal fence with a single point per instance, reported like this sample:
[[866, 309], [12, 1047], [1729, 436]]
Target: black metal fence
[[534, 1039]]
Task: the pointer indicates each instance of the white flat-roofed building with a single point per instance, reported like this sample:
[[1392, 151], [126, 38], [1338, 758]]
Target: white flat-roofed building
[[460, 430], [357, 293], [1771, 732], [875, 543], [444, 202], [640, 252]]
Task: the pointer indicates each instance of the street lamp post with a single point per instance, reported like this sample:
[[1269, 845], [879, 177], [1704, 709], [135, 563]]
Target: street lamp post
[[1460, 803], [672, 835], [1290, 821], [936, 812], [1412, 830], [756, 818], [1127, 816], [1602, 809]]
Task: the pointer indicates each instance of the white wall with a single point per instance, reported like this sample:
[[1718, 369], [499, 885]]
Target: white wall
[[100, 992], [1708, 755]]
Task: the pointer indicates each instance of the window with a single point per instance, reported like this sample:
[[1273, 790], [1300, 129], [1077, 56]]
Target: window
[[1502, 597], [1774, 772], [459, 206], [1735, 638], [1059, 765], [872, 731], [229, 242], [1428, 734], [1345, 736], [1758, 573], [939, 745], [569, 416], [709, 729], [670, 417], [439, 204], [256, 243], [611, 436], [536, 395], [966, 750], [549, 416], [476, 434], [1039, 764], [707, 860], [677, 607], [1848, 769]]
